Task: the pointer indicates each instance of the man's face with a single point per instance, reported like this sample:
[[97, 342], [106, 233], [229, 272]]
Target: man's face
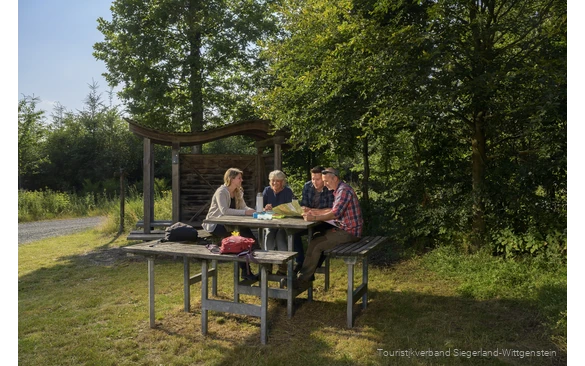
[[317, 180], [330, 181]]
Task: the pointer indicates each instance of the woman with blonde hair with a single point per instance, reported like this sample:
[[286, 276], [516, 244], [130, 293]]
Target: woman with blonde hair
[[228, 199]]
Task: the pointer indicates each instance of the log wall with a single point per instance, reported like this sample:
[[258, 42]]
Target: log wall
[[200, 175]]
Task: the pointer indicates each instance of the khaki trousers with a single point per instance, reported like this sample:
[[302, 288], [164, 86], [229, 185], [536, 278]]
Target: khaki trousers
[[327, 240]]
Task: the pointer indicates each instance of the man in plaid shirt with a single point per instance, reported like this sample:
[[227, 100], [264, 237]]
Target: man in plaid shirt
[[345, 216]]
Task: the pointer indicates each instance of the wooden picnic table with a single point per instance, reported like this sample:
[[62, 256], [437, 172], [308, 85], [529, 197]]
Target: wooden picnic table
[[291, 225], [188, 251]]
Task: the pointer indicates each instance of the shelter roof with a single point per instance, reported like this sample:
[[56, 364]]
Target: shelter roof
[[258, 129]]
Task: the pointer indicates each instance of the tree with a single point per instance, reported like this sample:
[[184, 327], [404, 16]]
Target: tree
[[85, 149], [465, 101], [184, 63], [502, 77], [317, 89], [31, 137]]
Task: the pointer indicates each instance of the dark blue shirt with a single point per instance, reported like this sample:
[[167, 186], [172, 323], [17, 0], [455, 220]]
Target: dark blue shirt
[[325, 200], [284, 196]]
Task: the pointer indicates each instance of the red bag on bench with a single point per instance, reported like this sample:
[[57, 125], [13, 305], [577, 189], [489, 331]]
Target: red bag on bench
[[236, 245]]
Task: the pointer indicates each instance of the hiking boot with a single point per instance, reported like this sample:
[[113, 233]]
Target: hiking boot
[[297, 283], [246, 273], [250, 277], [311, 279]]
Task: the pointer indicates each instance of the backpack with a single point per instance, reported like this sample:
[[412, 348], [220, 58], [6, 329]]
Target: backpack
[[180, 232], [236, 245]]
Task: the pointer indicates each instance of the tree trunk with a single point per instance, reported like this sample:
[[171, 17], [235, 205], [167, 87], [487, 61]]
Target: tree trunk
[[195, 67], [365, 183], [478, 182]]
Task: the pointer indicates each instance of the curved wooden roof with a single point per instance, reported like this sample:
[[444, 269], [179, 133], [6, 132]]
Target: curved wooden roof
[[257, 129]]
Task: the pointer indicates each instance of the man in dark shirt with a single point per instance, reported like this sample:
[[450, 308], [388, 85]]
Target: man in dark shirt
[[315, 195]]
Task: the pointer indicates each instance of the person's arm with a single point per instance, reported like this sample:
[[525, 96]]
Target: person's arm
[[323, 214], [336, 212]]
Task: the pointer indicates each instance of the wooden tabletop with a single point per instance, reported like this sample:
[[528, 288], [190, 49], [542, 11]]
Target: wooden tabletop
[[248, 221], [200, 251]]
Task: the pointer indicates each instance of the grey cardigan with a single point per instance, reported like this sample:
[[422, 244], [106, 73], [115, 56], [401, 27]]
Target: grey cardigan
[[220, 205]]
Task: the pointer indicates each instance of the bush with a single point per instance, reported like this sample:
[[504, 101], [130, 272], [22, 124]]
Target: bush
[[40, 205], [510, 244]]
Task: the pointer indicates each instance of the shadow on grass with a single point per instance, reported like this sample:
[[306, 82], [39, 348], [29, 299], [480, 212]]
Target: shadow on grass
[[394, 329]]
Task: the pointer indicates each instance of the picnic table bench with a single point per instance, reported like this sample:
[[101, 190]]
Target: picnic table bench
[[156, 248], [351, 253]]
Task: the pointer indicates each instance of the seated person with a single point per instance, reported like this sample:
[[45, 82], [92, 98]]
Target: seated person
[[315, 195], [277, 193], [228, 199], [345, 216]]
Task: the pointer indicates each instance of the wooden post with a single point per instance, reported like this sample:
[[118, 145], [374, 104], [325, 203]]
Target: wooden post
[[148, 184], [259, 171], [122, 200], [176, 183], [277, 157]]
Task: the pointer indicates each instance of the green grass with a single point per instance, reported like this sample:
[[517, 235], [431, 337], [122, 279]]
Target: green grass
[[81, 301]]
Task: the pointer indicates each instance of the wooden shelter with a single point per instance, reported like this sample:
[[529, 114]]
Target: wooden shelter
[[195, 177]]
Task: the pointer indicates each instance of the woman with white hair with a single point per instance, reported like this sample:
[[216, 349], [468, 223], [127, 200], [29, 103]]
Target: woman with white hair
[[277, 193]]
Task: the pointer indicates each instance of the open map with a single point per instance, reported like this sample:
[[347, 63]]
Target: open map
[[289, 209]]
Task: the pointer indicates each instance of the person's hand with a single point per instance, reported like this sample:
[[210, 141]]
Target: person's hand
[[308, 215], [268, 207], [250, 212], [306, 209]]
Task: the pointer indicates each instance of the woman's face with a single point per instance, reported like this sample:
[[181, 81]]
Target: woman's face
[[277, 185], [237, 181]]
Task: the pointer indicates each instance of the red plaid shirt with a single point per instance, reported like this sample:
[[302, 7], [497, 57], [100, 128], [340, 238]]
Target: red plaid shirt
[[348, 214]]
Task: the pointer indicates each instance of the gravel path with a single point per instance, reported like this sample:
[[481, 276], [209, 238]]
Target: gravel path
[[32, 231]]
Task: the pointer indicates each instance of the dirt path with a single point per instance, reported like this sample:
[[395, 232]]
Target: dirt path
[[32, 231]]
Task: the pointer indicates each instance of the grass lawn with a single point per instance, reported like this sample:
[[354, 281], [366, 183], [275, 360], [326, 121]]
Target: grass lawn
[[82, 301]]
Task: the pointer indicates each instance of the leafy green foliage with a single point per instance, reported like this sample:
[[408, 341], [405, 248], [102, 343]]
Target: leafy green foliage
[[31, 136], [452, 114], [231, 145], [48, 204], [183, 63], [510, 244], [448, 118]]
